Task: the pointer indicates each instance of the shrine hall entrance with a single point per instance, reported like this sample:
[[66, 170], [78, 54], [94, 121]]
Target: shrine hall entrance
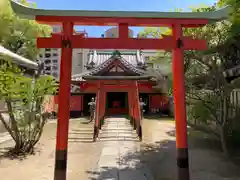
[[117, 103]]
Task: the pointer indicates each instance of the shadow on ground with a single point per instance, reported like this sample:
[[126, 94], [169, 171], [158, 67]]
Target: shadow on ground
[[8, 153], [148, 156], [205, 157]]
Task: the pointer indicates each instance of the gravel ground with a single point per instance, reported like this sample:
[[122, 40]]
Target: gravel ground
[[83, 155], [206, 160], [157, 152]]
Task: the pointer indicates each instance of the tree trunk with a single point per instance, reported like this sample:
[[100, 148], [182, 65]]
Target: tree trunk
[[223, 124], [14, 127]]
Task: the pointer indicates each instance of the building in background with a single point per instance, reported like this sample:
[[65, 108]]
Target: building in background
[[51, 57]]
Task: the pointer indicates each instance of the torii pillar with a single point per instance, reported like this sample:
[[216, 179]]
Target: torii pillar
[[64, 103], [180, 104]]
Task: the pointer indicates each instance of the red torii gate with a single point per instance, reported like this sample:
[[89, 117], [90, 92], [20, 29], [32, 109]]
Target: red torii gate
[[67, 41]]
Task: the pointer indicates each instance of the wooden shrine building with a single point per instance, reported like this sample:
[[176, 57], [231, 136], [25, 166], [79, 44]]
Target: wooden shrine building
[[118, 71]]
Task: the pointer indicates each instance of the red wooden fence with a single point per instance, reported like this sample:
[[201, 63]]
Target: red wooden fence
[[76, 103], [158, 101]]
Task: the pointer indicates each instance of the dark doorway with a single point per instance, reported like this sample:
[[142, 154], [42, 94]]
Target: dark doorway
[[86, 99], [145, 98], [117, 103]]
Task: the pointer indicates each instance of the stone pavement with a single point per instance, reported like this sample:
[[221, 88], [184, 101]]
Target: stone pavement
[[119, 159], [4, 137]]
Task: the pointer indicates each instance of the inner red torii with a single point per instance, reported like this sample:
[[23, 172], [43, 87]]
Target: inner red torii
[[67, 41]]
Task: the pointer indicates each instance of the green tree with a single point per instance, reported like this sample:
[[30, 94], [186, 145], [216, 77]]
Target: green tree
[[24, 96], [208, 91], [19, 35]]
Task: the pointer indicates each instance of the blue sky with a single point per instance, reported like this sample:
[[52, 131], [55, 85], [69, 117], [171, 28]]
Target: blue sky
[[121, 5]]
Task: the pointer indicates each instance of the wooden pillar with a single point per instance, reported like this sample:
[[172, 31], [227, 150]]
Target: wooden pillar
[[180, 105], [130, 104], [149, 103], [64, 104], [137, 110], [82, 105], [97, 112], [102, 105]]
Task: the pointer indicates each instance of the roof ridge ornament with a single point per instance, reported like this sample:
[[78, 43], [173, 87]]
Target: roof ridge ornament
[[116, 53]]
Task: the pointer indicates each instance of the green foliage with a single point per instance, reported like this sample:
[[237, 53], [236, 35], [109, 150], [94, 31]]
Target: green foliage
[[19, 35], [234, 13], [203, 107], [152, 32], [207, 90], [25, 101], [23, 95]]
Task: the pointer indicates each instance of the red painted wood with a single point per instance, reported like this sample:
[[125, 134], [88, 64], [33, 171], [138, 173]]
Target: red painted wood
[[92, 87], [102, 101], [137, 111], [117, 110], [158, 102], [99, 103], [179, 92], [121, 43], [64, 92], [114, 21], [123, 31], [76, 103], [130, 102]]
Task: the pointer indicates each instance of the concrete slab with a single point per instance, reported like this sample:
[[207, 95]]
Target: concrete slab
[[119, 159]]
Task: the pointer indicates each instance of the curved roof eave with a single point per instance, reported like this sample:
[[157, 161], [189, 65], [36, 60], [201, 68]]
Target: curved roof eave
[[18, 59], [31, 13]]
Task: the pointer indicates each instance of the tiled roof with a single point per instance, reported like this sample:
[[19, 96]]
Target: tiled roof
[[122, 60], [78, 77], [99, 57]]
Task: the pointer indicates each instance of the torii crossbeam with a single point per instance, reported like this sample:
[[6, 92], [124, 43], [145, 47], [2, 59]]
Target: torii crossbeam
[[67, 41]]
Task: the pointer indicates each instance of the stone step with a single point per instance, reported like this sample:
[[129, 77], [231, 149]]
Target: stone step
[[117, 125], [117, 135], [113, 122], [117, 132], [81, 130], [117, 120], [114, 129], [81, 138], [118, 139], [123, 123]]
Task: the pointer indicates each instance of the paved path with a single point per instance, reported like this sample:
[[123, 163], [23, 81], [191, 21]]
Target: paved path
[[119, 160], [4, 137]]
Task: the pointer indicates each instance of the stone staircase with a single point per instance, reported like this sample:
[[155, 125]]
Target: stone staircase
[[117, 129], [120, 156], [80, 131]]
